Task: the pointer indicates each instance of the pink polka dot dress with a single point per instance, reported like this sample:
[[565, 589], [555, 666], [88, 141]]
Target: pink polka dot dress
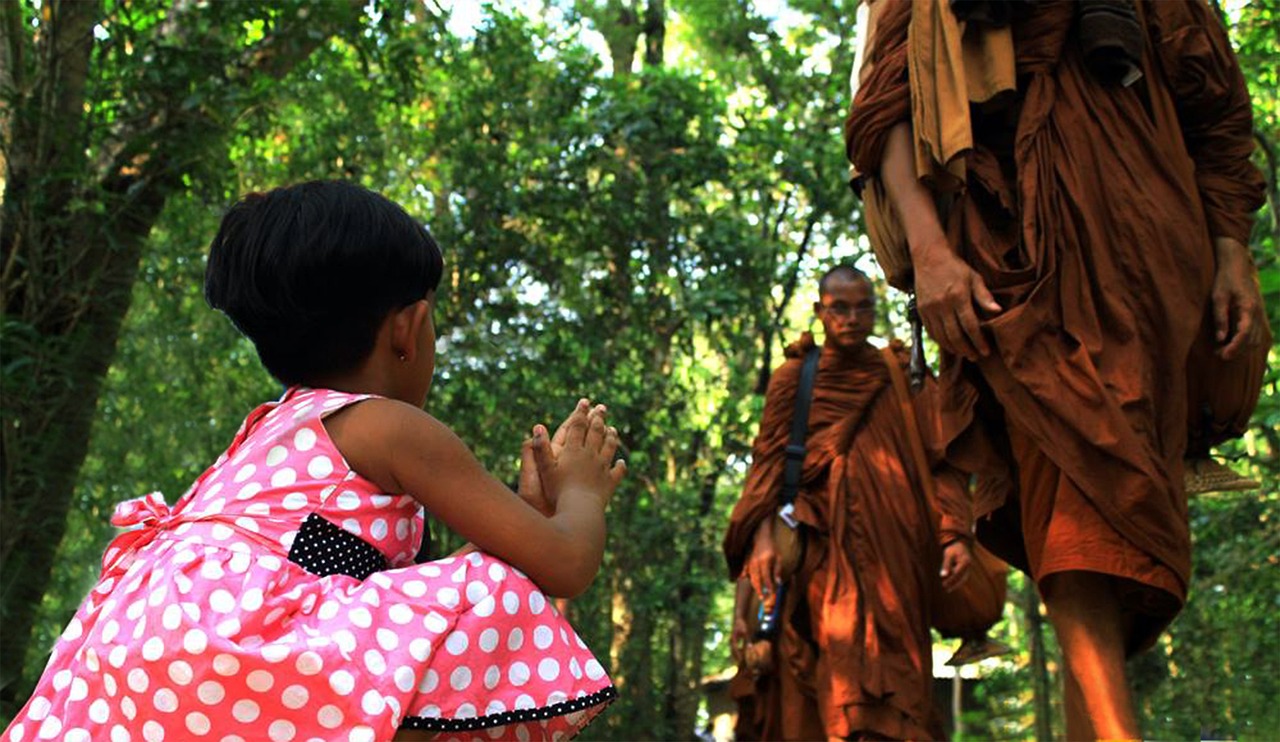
[[278, 600]]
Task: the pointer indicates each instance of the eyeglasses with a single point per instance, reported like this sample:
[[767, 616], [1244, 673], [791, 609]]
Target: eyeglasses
[[840, 309]]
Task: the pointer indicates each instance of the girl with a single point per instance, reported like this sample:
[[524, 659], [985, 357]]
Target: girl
[[278, 599]]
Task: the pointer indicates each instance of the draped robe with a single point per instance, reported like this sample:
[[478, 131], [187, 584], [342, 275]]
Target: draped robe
[[1089, 211], [858, 610]]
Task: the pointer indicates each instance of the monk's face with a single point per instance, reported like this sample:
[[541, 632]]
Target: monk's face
[[848, 311]]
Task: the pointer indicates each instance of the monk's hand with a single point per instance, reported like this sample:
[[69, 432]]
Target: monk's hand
[[739, 637], [1237, 300], [763, 567], [956, 560], [949, 295]]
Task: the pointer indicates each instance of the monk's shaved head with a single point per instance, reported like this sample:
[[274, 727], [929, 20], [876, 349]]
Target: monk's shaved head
[[847, 272]]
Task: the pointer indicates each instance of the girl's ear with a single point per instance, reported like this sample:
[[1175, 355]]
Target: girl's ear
[[406, 327]]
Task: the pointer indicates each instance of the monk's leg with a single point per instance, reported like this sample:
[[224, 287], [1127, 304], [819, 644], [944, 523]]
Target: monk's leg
[[1078, 725], [1086, 616]]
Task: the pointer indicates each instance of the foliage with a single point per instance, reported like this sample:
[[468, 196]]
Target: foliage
[[643, 228]]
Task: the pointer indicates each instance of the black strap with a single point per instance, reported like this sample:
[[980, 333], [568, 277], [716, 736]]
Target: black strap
[[799, 429]]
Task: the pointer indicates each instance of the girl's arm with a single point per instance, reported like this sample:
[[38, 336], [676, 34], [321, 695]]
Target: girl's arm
[[403, 449]]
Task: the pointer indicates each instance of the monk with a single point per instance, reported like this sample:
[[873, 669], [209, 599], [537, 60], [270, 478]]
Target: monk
[[854, 656], [1074, 189]]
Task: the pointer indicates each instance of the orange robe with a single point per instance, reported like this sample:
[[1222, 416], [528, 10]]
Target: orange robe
[[859, 607], [1089, 211]]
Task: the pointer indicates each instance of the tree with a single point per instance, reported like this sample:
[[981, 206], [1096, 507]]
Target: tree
[[110, 109]]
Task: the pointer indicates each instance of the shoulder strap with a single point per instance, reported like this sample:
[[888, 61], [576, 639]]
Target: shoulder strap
[[799, 428], [923, 470]]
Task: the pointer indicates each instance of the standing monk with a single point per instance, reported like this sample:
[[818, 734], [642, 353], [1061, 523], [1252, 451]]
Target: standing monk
[[854, 655], [1073, 186]]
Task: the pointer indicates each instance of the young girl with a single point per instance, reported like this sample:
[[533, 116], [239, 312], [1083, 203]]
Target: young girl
[[278, 599]]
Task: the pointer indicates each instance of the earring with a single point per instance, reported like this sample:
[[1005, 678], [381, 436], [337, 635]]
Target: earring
[[403, 357]]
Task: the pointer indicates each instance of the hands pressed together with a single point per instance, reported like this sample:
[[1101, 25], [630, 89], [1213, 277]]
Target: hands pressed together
[[582, 454]]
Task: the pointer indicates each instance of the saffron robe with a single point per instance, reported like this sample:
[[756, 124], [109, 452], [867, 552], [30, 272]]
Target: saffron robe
[[1089, 211], [858, 610]]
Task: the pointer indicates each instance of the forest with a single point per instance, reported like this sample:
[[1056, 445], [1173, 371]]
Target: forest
[[634, 199]]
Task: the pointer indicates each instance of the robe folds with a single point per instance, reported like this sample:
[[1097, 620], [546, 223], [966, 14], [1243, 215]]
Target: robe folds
[[858, 610], [1089, 210]]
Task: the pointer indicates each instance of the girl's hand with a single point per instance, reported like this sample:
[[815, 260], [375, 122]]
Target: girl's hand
[[537, 454], [585, 459], [956, 559]]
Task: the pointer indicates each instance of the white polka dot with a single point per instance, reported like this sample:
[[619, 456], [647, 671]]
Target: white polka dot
[[525, 701], [361, 617], [245, 472], [212, 571], [91, 660], [518, 674], [304, 439], [252, 599], [456, 643], [76, 735], [537, 603], [556, 697], [79, 690], [309, 663], [510, 603], [400, 614], [404, 678], [379, 529], [137, 680], [351, 525], [372, 703], [295, 697], [375, 662], [120, 734], [222, 601], [153, 731], [275, 653], [281, 730], [402, 528], [260, 681], [110, 630], [515, 639], [99, 711], [430, 680], [249, 490], [420, 649], [435, 623], [371, 597], [171, 618], [226, 665], [542, 637], [342, 682], [210, 692], [575, 669], [50, 729], [485, 607], [128, 708], [460, 679], [284, 477], [294, 501], [448, 597], [387, 639], [245, 710], [109, 683], [277, 455], [195, 641], [497, 572], [221, 532], [191, 610], [329, 717], [594, 670], [181, 673], [61, 679], [228, 628], [198, 724], [165, 700], [320, 467], [492, 677], [345, 640], [348, 500], [239, 563], [465, 711], [548, 669]]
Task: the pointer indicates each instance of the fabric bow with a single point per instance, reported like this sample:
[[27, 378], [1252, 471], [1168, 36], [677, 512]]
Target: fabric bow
[[150, 512]]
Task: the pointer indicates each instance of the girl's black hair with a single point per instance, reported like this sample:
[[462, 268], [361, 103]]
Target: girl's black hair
[[308, 272]]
